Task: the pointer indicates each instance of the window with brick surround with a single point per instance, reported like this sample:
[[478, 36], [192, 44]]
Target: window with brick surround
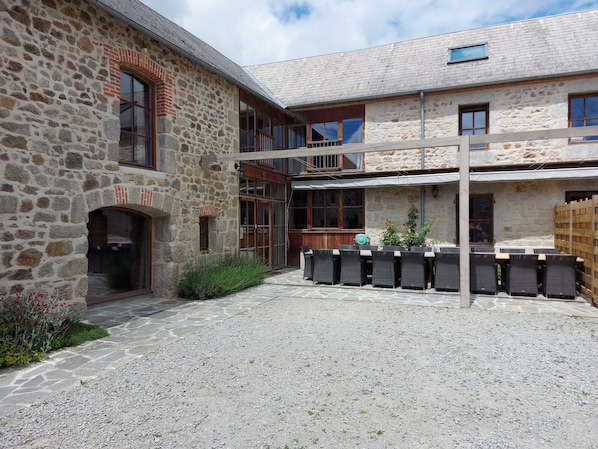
[[583, 111], [136, 121]]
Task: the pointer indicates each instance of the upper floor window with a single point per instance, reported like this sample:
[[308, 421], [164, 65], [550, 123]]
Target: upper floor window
[[583, 111], [297, 139], [473, 120], [468, 53], [334, 133], [136, 122]]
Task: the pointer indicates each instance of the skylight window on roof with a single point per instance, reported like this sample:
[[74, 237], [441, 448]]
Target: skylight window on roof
[[469, 53]]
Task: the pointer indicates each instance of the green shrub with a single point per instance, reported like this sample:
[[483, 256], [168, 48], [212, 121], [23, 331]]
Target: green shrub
[[34, 318], [217, 279], [10, 355], [408, 236], [31, 324]]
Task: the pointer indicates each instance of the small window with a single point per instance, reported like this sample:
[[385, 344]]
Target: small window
[[583, 111], [469, 53], [204, 232], [136, 122], [473, 120]]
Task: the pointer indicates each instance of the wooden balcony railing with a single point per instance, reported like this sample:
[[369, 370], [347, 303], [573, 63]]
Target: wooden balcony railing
[[325, 162]]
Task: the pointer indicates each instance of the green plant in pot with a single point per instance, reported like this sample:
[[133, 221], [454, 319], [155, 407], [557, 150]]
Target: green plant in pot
[[408, 236]]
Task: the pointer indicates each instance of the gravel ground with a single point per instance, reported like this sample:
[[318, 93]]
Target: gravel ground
[[302, 373]]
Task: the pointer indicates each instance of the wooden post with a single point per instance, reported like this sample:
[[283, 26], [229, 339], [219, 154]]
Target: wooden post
[[464, 221]]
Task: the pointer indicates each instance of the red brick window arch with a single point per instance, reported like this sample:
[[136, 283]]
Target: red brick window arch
[[145, 91]]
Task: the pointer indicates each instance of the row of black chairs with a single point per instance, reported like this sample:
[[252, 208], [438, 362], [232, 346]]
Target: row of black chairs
[[522, 275], [352, 269]]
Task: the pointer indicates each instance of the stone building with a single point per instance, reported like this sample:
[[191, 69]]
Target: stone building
[[122, 151], [103, 131]]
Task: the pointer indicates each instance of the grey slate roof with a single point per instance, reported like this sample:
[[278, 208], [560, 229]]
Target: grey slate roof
[[149, 22], [547, 47]]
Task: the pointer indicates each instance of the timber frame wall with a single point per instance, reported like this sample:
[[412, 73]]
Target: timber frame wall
[[576, 232]]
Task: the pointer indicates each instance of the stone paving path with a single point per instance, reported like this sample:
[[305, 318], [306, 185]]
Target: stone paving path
[[140, 325]]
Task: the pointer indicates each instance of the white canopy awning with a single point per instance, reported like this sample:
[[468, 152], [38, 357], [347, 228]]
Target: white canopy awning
[[542, 174]]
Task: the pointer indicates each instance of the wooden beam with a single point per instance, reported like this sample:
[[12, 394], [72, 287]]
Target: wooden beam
[[464, 269], [400, 145]]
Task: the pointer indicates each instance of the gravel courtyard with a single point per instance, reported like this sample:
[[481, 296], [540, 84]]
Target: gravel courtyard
[[315, 373]]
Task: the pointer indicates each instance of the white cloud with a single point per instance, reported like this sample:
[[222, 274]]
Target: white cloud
[[259, 31]]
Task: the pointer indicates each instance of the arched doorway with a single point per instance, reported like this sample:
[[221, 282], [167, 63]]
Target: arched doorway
[[119, 254]]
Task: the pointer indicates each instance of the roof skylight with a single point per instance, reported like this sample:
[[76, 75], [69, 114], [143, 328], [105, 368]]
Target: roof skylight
[[468, 53]]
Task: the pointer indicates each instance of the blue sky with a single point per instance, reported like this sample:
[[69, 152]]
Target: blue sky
[[261, 31]]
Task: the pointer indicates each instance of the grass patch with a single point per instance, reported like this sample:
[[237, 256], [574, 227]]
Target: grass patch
[[12, 353], [217, 279], [79, 333]]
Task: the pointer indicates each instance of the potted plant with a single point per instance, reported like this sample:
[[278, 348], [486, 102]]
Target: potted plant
[[408, 236]]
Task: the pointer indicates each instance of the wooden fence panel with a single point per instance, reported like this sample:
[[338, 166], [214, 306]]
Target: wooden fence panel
[[576, 232]]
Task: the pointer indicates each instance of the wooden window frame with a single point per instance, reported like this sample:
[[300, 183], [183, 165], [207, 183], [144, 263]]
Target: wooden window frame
[[473, 220], [339, 207], [151, 110], [585, 119], [485, 107], [204, 234]]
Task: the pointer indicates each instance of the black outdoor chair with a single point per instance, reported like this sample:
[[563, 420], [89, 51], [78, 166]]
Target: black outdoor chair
[[558, 280], [446, 276], [482, 273], [393, 248], [449, 249], [547, 251], [482, 249], [384, 269], [353, 268], [512, 250], [327, 267], [421, 249], [345, 246], [414, 270], [308, 267], [521, 275], [369, 247]]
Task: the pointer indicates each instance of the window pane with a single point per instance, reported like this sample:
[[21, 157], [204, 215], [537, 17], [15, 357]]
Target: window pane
[[125, 86], [143, 147], [352, 198], [299, 218], [126, 116], [479, 119], [317, 220], [467, 120], [592, 107], [318, 198], [331, 218], [331, 130], [317, 132], [142, 121], [141, 91], [126, 147], [331, 197], [353, 130], [468, 53], [577, 108], [353, 218]]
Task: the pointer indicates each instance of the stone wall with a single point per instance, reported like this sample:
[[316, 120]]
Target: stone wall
[[60, 128], [523, 211], [517, 107]]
